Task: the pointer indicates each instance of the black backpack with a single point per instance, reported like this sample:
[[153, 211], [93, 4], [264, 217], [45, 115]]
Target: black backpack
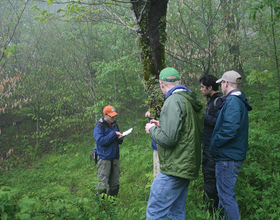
[[93, 155]]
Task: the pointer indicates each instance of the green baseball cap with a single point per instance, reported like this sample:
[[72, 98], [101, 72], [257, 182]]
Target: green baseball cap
[[169, 71]]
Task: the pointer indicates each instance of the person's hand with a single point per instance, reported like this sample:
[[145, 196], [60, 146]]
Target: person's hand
[[148, 126], [147, 114], [156, 122], [119, 134]]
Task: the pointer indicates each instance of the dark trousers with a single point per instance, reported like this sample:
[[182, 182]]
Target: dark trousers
[[210, 195]]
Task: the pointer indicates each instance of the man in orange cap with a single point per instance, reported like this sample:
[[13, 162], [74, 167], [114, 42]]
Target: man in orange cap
[[108, 137]]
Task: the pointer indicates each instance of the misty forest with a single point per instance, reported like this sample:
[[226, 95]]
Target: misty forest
[[62, 62]]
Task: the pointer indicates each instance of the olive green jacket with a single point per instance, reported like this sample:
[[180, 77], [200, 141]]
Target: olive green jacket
[[180, 135]]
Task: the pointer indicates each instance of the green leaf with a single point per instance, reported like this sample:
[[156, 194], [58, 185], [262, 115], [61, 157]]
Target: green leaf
[[13, 47], [25, 203], [50, 2], [25, 216], [4, 216]]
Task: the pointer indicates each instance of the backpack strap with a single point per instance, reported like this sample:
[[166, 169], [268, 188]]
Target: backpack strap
[[102, 125]]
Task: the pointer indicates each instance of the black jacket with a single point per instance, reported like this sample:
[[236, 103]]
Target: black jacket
[[210, 117]]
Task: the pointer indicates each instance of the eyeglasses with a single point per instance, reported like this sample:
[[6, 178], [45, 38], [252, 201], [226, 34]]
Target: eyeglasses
[[111, 116]]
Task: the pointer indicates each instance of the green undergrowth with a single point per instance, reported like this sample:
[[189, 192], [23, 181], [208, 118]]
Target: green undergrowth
[[257, 189], [62, 185]]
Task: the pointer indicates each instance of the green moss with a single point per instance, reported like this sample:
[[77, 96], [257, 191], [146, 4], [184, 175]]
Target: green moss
[[155, 96], [151, 84], [146, 56]]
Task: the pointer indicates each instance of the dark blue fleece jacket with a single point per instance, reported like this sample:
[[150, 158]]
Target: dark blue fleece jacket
[[229, 140], [106, 139]]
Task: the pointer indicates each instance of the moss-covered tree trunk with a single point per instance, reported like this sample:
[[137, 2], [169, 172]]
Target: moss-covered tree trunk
[[150, 17]]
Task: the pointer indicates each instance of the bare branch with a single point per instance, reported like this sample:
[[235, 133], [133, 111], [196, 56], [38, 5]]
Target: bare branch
[[138, 20], [122, 22], [218, 9], [14, 31], [193, 11], [182, 59], [195, 42]]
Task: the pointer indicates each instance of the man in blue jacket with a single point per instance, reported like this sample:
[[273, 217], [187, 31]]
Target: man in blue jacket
[[229, 142], [108, 137]]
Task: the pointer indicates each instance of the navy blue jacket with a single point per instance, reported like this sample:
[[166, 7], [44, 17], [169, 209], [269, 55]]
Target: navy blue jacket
[[229, 140], [106, 139]]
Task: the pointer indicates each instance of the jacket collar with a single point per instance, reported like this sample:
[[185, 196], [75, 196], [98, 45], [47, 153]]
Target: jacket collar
[[102, 120], [177, 88], [215, 95], [220, 101]]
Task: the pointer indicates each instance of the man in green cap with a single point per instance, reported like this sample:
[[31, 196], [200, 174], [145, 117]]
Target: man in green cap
[[178, 135]]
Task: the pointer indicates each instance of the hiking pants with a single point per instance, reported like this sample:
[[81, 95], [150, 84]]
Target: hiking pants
[[108, 174]]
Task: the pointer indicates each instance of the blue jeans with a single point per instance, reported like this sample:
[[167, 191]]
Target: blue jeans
[[167, 198], [226, 176]]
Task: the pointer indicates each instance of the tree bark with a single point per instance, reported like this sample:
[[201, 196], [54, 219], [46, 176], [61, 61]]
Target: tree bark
[[150, 18]]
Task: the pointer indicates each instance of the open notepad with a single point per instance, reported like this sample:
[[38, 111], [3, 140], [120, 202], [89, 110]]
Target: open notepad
[[126, 132]]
